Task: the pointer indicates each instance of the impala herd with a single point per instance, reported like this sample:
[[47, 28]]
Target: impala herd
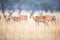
[[45, 19]]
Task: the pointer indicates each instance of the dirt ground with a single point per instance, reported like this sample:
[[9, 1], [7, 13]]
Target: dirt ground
[[29, 30]]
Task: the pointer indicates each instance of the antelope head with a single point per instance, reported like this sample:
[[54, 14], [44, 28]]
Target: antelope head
[[10, 13]]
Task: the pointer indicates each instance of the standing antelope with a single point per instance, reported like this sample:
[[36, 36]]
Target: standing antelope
[[45, 19], [23, 17], [20, 18], [8, 17], [16, 18], [39, 19], [50, 18]]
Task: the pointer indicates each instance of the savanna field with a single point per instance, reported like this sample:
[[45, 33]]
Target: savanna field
[[30, 30]]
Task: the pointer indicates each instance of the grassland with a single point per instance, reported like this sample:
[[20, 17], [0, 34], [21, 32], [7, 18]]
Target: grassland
[[29, 30]]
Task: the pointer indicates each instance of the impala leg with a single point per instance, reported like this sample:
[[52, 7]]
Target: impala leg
[[0, 18], [9, 20], [6, 21], [54, 22], [20, 21], [46, 23], [38, 24], [25, 20]]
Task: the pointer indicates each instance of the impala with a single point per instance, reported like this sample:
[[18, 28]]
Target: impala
[[8, 17]]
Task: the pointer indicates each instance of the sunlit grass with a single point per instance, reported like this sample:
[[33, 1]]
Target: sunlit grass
[[28, 30]]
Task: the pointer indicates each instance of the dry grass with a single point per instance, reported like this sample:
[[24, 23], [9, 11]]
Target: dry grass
[[29, 30]]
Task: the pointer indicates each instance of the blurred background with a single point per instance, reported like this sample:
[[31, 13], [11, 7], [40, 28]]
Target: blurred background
[[45, 5]]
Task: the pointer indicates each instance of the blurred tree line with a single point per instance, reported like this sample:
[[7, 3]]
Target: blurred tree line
[[30, 5]]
